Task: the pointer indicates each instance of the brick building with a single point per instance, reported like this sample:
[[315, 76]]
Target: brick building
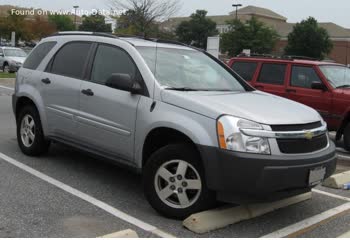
[[339, 35]]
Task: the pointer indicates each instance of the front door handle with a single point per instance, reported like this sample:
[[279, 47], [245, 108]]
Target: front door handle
[[87, 92], [291, 90], [46, 80]]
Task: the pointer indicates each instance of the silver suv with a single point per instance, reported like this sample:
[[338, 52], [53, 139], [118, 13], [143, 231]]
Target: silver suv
[[195, 130]]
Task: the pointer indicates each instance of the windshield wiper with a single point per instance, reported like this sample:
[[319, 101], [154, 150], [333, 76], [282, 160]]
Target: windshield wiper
[[344, 86], [183, 89]]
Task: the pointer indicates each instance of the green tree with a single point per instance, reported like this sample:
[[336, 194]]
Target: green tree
[[197, 30], [309, 39], [253, 35], [61, 22], [95, 23]]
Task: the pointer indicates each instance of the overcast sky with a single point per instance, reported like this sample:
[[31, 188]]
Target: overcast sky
[[336, 11]]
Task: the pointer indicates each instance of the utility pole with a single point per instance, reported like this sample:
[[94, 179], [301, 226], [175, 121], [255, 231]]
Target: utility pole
[[75, 16], [237, 6]]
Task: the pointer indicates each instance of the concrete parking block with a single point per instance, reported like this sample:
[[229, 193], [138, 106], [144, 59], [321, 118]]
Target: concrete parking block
[[338, 180], [122, 234], [210, 220], [345, 235]]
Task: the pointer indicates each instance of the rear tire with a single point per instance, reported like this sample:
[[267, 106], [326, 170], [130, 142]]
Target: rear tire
[[171, 190], [30, 136], [6, 68], [347, 137]]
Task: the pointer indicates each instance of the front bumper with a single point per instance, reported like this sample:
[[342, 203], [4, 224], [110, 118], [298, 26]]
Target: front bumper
[[245, 177], [14, 67]]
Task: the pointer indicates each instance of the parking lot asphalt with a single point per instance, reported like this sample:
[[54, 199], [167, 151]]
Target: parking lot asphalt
[[32, 207]]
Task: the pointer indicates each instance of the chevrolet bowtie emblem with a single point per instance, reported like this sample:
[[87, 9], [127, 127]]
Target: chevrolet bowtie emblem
[[309, 135]]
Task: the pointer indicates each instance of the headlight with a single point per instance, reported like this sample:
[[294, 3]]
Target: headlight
[[231, 138]]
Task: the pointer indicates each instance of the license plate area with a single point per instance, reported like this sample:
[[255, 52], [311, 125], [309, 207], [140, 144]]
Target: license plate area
[[316, 176]]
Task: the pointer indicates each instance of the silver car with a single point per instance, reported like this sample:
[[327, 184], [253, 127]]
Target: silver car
[[11, 59], [195, 129]]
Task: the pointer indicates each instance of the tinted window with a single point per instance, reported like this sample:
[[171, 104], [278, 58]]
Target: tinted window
[[70, 60], [272, 73], [303, 77], [38, 54], [109, 60], [245, 69]]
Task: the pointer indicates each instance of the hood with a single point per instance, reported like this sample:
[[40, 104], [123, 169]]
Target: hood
[[256, 106], [17, 59]]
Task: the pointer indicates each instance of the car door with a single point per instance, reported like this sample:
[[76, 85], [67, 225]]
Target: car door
[[61, 89], [299, 89], [107, 115], [272, 78]]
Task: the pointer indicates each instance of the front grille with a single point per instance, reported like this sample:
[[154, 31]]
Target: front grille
[[296, 146], [299, 127]]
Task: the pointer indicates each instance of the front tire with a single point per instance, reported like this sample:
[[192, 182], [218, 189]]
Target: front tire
[[30, 135], [174, 182]]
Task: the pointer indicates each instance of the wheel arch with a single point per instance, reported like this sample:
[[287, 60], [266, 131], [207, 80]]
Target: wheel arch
[[163, 136]]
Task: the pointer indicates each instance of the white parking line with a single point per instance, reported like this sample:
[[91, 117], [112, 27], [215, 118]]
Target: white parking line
[[7, 88], [298, 228], [115, 212], [342, 150], [343, 156], [331, 195]]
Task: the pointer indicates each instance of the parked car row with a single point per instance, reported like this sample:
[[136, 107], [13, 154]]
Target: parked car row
[[323, 86]]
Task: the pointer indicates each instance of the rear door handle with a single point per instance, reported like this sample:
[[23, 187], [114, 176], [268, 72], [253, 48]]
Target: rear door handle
[[87, 92], [46, 81], [291, 90]]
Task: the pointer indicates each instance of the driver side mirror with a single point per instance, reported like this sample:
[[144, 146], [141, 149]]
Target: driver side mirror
[[318, 86], [1, 54], [123, 82]]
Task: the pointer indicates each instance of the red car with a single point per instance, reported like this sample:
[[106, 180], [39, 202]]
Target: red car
[[321, 85]]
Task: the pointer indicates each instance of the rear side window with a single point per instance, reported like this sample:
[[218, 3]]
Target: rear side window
[[303, 77], [109, 60], [70, 59], [272, 73], [38, 54], [245, 69]]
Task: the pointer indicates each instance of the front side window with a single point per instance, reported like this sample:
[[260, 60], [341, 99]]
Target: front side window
[[272, 73], [188, 69], [337, 76], [109, 60], [245, 69], [14, 52], [303, 77], [37, 55], [70, 59]]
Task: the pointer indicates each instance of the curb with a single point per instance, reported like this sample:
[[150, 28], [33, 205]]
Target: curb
[[337, 181], [210, 220], [345, 235], [122, 234]]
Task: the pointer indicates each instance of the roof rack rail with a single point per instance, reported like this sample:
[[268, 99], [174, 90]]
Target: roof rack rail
[[284, 57], [299, 57], [83, 33]]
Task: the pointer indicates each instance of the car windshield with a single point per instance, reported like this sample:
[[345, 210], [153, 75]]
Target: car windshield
[[14, 53], [338, 76], [188, 70]]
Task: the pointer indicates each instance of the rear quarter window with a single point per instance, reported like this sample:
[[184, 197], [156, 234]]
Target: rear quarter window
[[273, 73], [37, 55], [245, 69]]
